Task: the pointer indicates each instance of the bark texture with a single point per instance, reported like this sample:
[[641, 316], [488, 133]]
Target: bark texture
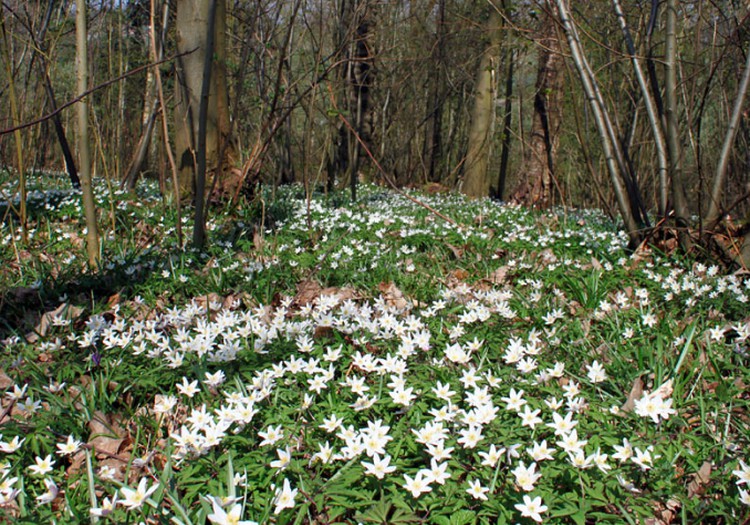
[[476, 181], [537, 173], [434, 138], [674, 145], [89, 206], [192, 25]]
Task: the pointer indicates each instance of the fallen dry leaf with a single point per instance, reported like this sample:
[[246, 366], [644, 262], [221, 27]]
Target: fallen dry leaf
[[635, 393], [106, 434], [212, 301], [498, 276], [697, 485], [665, 389], [393, 296], [113, 300], [434, 187], [342, 294], [5, 381], [307, 292], [459, 274], [76, 463], [65, 312], [458, 253], [641, 254]]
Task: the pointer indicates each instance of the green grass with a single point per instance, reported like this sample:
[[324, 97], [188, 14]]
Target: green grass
[[358, 313]]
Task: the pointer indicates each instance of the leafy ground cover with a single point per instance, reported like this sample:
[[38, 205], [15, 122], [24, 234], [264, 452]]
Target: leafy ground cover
[[328, 362]]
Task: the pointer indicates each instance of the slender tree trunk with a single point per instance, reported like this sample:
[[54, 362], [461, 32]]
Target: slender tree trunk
[[285, 151], [507, 122], [192, 30], [717, 189], [356, 23], [140, 159], [674, 149], [435, 116], [622, 196], [89, 206], [165, 126], [140, 156], [70, 164], [538, 168], [651, 110], [16, 119], [476, 176], [637, 208], [199, 228], [152, 105]]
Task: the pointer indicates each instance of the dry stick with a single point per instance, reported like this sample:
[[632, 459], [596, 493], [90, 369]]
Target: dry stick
[[86, 93], [388, 179]]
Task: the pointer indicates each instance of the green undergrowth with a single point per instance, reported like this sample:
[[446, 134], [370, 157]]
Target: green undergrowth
[[333, 362]]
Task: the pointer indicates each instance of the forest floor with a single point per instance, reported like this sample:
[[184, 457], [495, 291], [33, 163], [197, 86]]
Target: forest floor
[[328, 362]]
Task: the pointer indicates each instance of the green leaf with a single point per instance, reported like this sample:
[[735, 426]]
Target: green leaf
[[378, 513], [383, 512], [463, 517], [403, 516]]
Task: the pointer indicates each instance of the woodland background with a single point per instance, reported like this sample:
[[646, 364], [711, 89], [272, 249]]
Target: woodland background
[[637, 108]]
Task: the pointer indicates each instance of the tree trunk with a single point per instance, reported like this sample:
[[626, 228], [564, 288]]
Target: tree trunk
[[538, 168], [70, 164], [89, 206], [356, 22], [476, 181], [651, 110], [192, 31], [507, 122], [16, 120], [139, 162], [717, 189], [140, 156], [674, 149], [590, 88], [434, 138], [160, 95]]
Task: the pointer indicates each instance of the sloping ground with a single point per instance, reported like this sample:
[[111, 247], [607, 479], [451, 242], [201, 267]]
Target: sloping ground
[[374, 363]]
